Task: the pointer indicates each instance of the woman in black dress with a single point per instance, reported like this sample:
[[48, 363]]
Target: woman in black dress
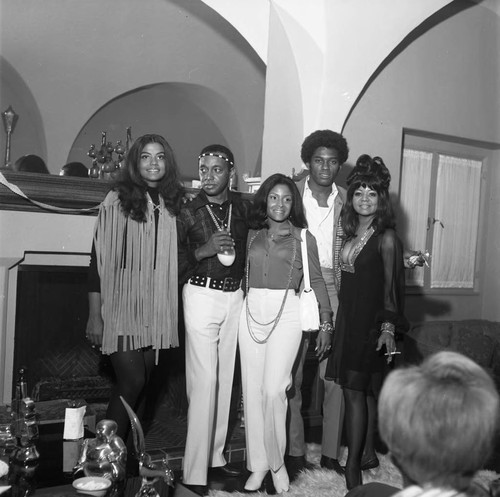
[[370, 310]]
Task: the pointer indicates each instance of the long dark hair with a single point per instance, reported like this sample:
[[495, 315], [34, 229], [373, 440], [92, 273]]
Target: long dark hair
[[131, 187], [368, 173], [258, 216]]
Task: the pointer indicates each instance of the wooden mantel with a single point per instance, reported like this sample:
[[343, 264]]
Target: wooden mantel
[[59, 191]]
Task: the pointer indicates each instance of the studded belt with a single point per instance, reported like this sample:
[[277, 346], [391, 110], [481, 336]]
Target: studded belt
[[226, 285]]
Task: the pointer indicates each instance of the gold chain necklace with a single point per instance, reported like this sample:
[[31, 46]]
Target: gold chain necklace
[[249, 316], [216, 221]]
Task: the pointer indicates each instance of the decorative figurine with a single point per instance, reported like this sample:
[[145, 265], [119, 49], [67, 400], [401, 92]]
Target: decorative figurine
[[104, 165], [24, 424], [150, 472], [105, 455]]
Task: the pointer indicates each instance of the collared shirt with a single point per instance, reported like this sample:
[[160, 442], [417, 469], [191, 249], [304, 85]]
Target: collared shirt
[[270, 261], [195, 227], [320, 222]]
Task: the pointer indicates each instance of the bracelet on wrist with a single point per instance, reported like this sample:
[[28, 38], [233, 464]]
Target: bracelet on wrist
[[388, 328], [326, 328]]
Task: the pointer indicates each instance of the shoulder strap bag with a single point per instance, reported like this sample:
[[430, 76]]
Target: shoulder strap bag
[[309, 308]]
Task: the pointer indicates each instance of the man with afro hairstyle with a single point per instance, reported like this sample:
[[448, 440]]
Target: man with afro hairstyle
[[323, 152]]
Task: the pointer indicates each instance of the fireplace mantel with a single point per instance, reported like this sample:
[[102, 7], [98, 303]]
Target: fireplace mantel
[[60, 191]]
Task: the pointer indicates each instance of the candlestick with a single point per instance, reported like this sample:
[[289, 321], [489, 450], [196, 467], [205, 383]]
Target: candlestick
[[9, 118]]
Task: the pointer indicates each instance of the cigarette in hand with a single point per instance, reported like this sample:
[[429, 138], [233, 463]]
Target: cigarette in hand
[[393, 353]]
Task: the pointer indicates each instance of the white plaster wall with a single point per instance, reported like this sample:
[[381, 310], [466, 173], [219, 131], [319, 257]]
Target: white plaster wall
[[150, 110], [319, 60], [447, 81], [491, 266], [320, 56], [250, 18], [44, 232], [77, 56]]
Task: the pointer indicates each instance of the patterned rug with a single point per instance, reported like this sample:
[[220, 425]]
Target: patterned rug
[[319, 482]]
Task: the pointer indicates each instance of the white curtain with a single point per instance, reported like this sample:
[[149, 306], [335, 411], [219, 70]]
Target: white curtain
[[455, 223], [414, 201]]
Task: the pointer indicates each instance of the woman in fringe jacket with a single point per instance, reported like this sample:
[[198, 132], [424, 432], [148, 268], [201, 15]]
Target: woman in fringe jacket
[[133, 271]]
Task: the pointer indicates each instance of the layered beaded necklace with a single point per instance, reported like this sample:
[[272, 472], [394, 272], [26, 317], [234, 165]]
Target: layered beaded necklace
[[273, 322], [220, 224]]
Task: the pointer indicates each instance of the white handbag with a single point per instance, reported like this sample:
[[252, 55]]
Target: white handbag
[[309, 308]]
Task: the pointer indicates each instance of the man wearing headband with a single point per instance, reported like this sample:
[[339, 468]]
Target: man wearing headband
[[212, 232]]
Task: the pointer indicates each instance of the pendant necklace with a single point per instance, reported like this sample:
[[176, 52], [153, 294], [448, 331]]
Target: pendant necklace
[[155, 207], [227, 257]]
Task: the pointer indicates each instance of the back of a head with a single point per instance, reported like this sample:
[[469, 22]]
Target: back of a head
[[30, 164], [75, 169], [438, 419]]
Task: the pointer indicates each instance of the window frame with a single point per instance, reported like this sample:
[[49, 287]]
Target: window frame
[[436, 145]]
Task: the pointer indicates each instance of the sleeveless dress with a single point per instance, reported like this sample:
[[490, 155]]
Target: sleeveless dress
[[371, 292]]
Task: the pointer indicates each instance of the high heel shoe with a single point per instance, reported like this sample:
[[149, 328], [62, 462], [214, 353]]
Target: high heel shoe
[[281, 481], [255, 480], [352, 476]]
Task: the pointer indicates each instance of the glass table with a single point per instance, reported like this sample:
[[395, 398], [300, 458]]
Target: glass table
[[53, 475]]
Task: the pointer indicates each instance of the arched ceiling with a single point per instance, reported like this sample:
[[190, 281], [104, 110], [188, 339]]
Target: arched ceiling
[[75, 57]]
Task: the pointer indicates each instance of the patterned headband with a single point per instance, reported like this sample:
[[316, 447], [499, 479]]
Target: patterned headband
[[212, 154]]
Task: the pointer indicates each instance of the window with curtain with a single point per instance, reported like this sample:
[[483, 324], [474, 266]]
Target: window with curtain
[[440, 197]]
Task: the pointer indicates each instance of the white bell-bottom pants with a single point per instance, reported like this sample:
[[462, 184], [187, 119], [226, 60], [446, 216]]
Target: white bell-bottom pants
[[211, 319], [266, 374]]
